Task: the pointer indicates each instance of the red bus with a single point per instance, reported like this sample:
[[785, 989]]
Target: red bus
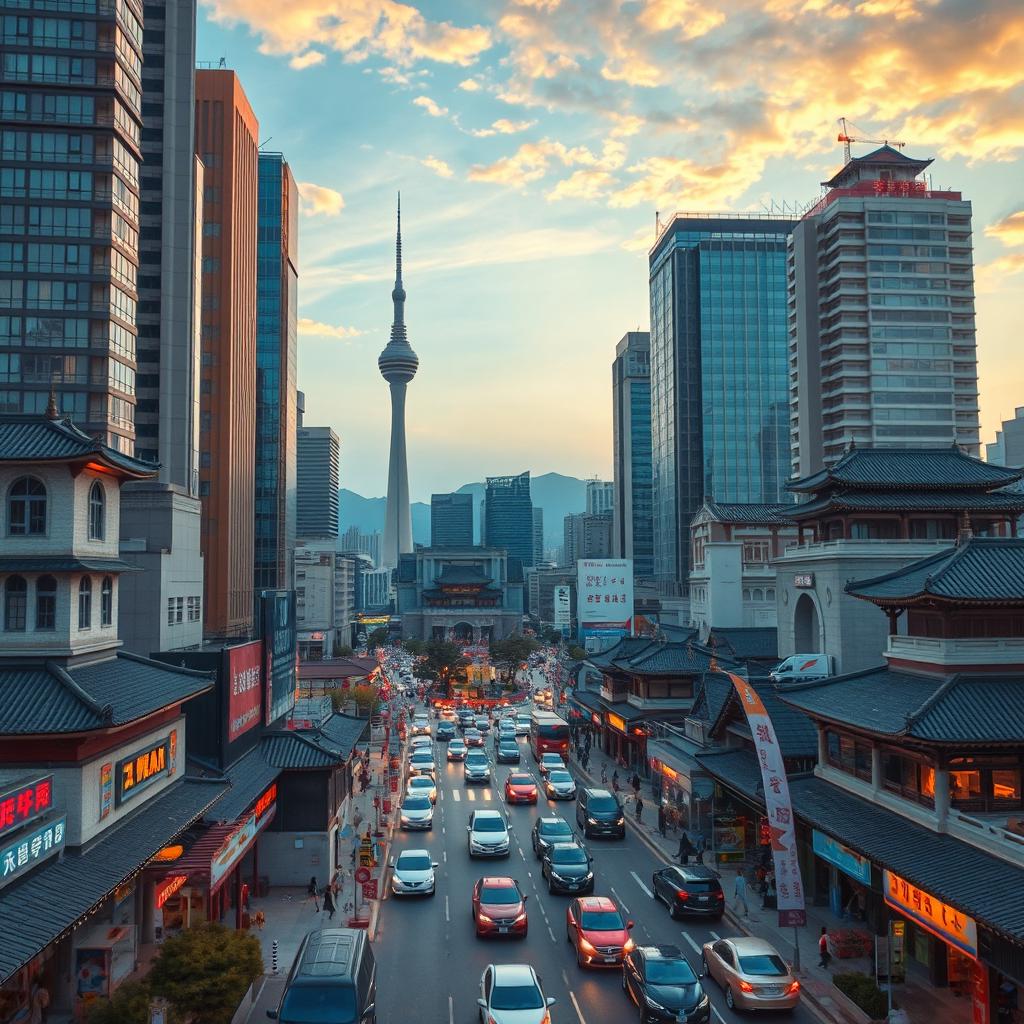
[[549, 734]]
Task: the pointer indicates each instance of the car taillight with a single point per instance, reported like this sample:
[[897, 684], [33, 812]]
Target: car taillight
[[682, 894], [795, 987], [745, 986], [720, 895]]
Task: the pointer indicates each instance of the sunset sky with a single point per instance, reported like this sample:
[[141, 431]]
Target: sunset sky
[[533, 142]]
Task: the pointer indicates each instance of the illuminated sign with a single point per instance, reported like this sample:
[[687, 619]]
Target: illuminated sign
[[25, 802], [669, 773], [265, 801], [169, 853], [804, 581], [933, 915], [833, 851], [106, 789], [168, 888], [140, 770], [616, 723], [28, 850], [244, 670]]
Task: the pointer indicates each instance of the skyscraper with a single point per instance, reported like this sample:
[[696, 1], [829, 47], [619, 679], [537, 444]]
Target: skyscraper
[[226, 142], [398, 364], [881, 315], [277, 282], [631, 451], [587, 535], [71, 121], [508, 520], [317, 460], [719, 394], [451, 520], [538, 536], [600, 496]]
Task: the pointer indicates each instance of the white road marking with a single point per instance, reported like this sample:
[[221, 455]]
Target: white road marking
[[444, 856], [552, 934], [619, 898], [456, 795], [451, 1011], [576, 1006], [693, 945], [636, 878], [716, 935], [471, 793], [487, 794], [717, 1014], [447, 915]]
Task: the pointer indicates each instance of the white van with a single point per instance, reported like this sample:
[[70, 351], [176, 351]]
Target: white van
[[801, 668]]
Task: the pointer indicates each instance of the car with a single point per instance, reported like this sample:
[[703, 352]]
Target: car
[[689, 889], [416, 812], [476, 768], [568, 868], [444, 731], [520, 788], [457, 750], [420, 743], [474, 738], [412, 874], [449, 715], [488, 834], [599, 813], [751, 973], [504, 735], [508, 753], [549, 762], [499, 907], [559, 785], [595, 927], [522, 725], [512, 994], [422, 785], [662, 983], [420, 725], [422, 763], [547, 831], [483, 723]]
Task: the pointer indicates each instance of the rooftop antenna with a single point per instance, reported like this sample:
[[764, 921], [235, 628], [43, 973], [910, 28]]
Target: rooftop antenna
[[265, 141]]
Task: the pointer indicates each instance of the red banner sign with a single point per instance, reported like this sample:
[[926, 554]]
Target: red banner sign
[[370, 889], [24, 802], [245, 688], [168, 888]]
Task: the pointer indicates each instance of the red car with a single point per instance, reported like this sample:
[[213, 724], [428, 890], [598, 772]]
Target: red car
[[520, 788], [499, 907], [594, 925]]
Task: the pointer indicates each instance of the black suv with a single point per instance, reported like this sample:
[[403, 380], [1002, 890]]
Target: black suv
[[599, 813], [690, 889]]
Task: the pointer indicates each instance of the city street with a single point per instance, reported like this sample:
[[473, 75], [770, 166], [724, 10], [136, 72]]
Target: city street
[[430, 961]]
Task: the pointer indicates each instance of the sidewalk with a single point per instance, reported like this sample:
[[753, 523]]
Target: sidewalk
[[923, 1003]]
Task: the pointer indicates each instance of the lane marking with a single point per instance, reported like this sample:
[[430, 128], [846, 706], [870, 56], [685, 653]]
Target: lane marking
[[444, 856], [693, 945], [579, 1012], [447, 915], [619, 898], [471, 793], [714, 1010], [451, 1010], [716, 935], [636, 878], [456, 795]]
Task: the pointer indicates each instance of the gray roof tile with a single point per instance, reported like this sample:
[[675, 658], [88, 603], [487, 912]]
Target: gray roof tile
[[341, 733], [746, 641], [249, 777], [38, 439], [757, 513], [911, 501], [56, 563], [297, 750]]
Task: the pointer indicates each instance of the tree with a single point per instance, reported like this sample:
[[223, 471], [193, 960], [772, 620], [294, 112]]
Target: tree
[[367, 699], [550, 635], [577, 653], [417, 648], [128, 1005], [205, 971], [378, 638], [342, 651], [443, 663], [508, 654]]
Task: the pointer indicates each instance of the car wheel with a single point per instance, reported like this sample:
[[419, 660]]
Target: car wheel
[[673, 912], [579, 958], [525, 931], [729, 1001]]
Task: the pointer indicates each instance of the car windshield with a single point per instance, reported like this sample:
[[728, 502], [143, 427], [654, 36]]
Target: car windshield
[[488, 825], [475, 762], [670, 972], [520, 780], [503, 894], [561, 777], [551, 759], [603, 805], [420, 784], [572, 855], [553, 732], [516, 997], [555, 828], [509, 748], [764, 965], [413, 862], [423, 758], [318, 1004], [416, 803], [601, 920]]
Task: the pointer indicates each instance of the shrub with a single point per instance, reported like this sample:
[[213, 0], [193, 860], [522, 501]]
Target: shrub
[[862, 990], [128, 1005]]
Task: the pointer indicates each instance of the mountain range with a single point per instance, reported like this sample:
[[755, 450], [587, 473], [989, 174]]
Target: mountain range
[[556, 494]]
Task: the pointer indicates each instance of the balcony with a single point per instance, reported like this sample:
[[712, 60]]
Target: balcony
[[956, 652]]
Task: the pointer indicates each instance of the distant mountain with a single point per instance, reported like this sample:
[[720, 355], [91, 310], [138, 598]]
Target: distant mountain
[[556, 494]]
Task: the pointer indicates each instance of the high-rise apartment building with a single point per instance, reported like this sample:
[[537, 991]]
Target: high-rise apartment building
[[277, 283], [600, 496], [508, 516], [882, 347], [587, 535], [538, 536], [226, 142], [632, 530], [719, 387], [71, 127], [1008, 447], [451, 520], [317, 468], [353, 540]]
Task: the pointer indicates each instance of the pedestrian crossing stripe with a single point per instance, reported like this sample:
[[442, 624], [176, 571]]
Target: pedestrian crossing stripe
[[456, 796]]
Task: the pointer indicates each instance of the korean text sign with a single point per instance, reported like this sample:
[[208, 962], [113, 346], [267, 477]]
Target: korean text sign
[[29, 849], [953, 926], [604, 594], [25, 801], [245, 687]]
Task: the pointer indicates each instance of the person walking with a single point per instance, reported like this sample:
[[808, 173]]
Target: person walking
[[639, 807], [313, 891], [739, 892], [824, 957], [329, 902], [661, 820], [702, 845], [615, 780], [635, 783], [685, 849]]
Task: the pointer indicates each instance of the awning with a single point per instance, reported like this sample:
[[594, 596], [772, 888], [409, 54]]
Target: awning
[[197, 859]]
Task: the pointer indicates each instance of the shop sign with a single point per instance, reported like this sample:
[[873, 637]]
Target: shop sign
[[232, 851], [106, 789], [169, 853], [952, 926], [28, 850], [245, 687], [168, 887], [833, 851], [266, 801], [804, 581], [669, 773], [616, 722], [25, 802], [145, 767]]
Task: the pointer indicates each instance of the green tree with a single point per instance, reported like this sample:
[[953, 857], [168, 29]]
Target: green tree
[[443, 663], [342, 651], [128, 1005], [550, 635], [205, 971], [508, 654], [577, 653], [378, 638], [367, 699], [417, 648]]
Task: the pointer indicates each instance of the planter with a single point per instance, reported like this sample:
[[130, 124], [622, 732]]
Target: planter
[[850, 1009]]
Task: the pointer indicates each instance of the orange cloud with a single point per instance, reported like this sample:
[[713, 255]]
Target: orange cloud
[[691, 19], [306, 60], [438, 166], [308, 328], [432, 108], [585, 184], [320, 201], [503, 126], [1009, 230]]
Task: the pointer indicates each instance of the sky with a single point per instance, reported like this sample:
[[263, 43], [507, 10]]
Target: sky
[[533, 142]]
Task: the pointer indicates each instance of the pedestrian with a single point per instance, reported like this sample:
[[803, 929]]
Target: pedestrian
[[313, 891], [661, 819], [739, 891], [825, 957], [615, 780], [39, 1006], [685, 849], [639, 807], [329, 902], [702, 845], [635, 783]]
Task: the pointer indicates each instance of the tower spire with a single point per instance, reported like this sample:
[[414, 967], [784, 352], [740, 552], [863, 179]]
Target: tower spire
[[398, 295]]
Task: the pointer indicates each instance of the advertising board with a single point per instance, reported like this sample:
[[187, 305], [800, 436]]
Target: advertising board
[[563, 607], [243, 672], [604, 597], [280, 642]]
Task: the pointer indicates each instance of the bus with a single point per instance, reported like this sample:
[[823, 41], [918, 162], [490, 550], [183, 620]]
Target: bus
[[549, 734]]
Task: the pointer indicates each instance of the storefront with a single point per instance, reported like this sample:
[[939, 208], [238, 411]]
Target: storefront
[[842, 880], [682, 788]]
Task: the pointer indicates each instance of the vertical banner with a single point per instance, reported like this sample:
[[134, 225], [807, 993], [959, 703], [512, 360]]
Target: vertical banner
[[781, 822], [106, 789]]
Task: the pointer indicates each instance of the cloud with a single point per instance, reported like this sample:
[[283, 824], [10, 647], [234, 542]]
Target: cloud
[[308, 328], [530, 163], [306, 60], [470, 85], [320, 201], [432, 108], [1009, 230], [439, 167], [503, 126], [398, 76], [585, 184], [691, 19]]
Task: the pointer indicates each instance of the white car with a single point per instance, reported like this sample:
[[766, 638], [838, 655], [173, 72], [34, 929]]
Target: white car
[[420, 743], [416, 812], [511, 994], [456, 750], [551, 763], [422, 764], [488, 834], [522, 725], [420, 726], [422, 785], [413, 874]]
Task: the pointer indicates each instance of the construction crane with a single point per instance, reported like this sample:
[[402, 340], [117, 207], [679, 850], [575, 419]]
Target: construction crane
[[846, 127]]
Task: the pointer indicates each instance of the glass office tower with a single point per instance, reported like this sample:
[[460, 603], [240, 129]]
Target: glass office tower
[[508, 516], [719, 398]]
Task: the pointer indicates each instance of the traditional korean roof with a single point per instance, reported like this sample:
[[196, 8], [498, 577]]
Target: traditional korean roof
[[885, 156], [29, 439], [794, 730], [756, 513], [338, 668], [290, 749], [484, 591], [1005, 501], [626, 647], [712, 694], [659, 658], [458, 574], [908, 469], [51, 699], [980, 571], [58, 563], [743, 642], [971, 708], [341, 733], [249, 777]]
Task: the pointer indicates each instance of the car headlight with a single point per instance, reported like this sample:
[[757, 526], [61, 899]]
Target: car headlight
[[705, 999], [485, 919], [557, 877], [591, 821], [520, 918], [628, 946], [621, 821]]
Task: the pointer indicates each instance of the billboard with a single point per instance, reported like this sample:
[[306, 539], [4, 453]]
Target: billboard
[[280, 642], [563, 607], [604, 597], [243, 673]]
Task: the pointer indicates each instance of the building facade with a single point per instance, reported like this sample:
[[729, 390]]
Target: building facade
[[318, 458], [508, 516], [354, 540], [600, 496], [632, 529], [227, 137], [538, 536], [719, 397], [277, 282], [587, 535], [1008, 447], [882, 347], [451, 520]]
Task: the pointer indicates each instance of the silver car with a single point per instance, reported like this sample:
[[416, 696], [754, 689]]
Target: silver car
[[417, 812], [511, 994], [476, 769], [413, 874], [488, 834], [559, 785]]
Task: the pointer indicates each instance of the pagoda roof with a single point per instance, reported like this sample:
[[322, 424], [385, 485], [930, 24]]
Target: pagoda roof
[[34, 439], [733, 512], [1008, 501], [742, 642], [645, 657], [982, 570], [907, 469], [794, 730], [884, 156], [456, 574]]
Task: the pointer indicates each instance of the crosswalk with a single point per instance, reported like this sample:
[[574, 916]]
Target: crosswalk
[[483, 795]]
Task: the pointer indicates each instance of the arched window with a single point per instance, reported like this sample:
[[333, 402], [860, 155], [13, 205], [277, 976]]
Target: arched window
[[85, 603], [746, 594], [97, 510], [107, 601], [46, 603], [758, 594], [26, 508], [15, 603]]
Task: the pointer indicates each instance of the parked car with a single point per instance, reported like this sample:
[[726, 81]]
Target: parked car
[[512, 994], [599, 813], [595, 927], [662, 983], [689, 889], [802, 668], [752, 974]]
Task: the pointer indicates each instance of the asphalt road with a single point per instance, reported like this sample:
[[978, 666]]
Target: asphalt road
[[430, 961]]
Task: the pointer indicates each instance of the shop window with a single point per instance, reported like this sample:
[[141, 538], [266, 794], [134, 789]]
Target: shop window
[[912, 779], [849, 755], [984, 783]]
